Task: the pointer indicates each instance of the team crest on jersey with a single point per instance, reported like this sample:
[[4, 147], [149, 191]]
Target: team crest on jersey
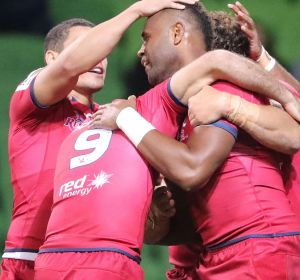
[[84, 186], [76, 122]]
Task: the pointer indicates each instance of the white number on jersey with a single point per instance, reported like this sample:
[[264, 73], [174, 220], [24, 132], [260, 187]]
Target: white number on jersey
[[99, 146]]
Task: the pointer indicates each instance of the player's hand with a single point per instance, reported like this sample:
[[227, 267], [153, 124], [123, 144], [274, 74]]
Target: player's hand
[[292, 107], [163, 206], [150, 7], [248, 27], [207, 106], [107, 114]]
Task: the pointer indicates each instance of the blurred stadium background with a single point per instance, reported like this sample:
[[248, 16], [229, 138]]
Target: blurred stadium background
[[23, 25]]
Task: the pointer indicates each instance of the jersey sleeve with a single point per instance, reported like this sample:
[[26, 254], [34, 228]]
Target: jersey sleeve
[[160, 107], [235, 90], [23, 102]]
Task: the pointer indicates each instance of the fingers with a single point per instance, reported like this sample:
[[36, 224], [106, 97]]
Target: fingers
[[293, 109], [163, 198], [234, 8], [98, 113], [180, 4], [186, 1], [242, 17], [101, 107], [97, 117], [131, 98], [194, 122], [242, 8], [177, 6]]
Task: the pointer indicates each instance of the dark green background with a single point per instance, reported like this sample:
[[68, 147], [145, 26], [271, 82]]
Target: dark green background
[[21, 53]]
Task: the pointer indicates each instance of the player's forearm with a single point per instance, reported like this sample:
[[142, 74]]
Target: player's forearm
[[224, 65], [251, 76], [156, 229], [270, 64], [190, 166], [173, 159], [270, 126], [81, 56], [282, 74], [98, 43]]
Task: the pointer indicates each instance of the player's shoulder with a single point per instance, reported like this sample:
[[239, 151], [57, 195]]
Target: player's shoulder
[[159, 87], [227, 86], [236, 90], [26, 83]]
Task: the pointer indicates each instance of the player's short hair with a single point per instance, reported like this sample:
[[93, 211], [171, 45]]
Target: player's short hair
[[197, 15], [227, 34], [56, 37]]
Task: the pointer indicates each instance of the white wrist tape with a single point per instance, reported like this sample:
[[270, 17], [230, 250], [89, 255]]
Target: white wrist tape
[[271, 64], [263, 52], [133, 125], [265, 55]]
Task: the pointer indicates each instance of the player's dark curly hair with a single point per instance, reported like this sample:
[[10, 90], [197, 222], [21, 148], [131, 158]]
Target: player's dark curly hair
[[227, 34], [56, 37], [201, 17], [198, 16]]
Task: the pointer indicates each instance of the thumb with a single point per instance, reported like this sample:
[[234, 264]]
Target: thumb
[[131, 98]]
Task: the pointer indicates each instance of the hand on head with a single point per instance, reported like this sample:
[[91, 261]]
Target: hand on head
[[248, 26], [150, 7]]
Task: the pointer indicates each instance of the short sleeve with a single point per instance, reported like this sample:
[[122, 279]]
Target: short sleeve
[[160, 107]]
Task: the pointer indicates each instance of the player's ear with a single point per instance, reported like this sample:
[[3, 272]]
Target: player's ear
[[50, 56], [178, 33]]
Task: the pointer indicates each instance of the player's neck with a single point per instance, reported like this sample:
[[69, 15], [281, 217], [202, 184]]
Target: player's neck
[[85, 99]]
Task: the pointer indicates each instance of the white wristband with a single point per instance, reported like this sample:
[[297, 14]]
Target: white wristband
[[271, 64], [266, 58], [263, 52], [133, 125]]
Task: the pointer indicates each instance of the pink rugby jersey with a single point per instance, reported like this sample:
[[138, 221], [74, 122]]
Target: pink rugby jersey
[[35, 135], [103, 186], [246, 195], [293, 171]]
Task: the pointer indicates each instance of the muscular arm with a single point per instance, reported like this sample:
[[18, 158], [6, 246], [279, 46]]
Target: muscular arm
[[189, 165], [165, 225], [276, 70], [270, 126], [158, 220], [182, 228], [224, 65], [258, 54], [57, 79]]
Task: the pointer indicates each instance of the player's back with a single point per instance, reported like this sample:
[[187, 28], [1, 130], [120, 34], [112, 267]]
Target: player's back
[[102, 192], [246, 195], [103, 186]]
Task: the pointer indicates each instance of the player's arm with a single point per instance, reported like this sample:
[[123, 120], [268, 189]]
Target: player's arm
[[158, 221], [189, 165], [224, 65], [257, 52], [169, 221], [60, 76], [182, 229], [270, 126]]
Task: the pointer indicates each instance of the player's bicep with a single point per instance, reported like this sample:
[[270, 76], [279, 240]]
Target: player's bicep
[[190, 79], [52, 85], [210, 146]]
